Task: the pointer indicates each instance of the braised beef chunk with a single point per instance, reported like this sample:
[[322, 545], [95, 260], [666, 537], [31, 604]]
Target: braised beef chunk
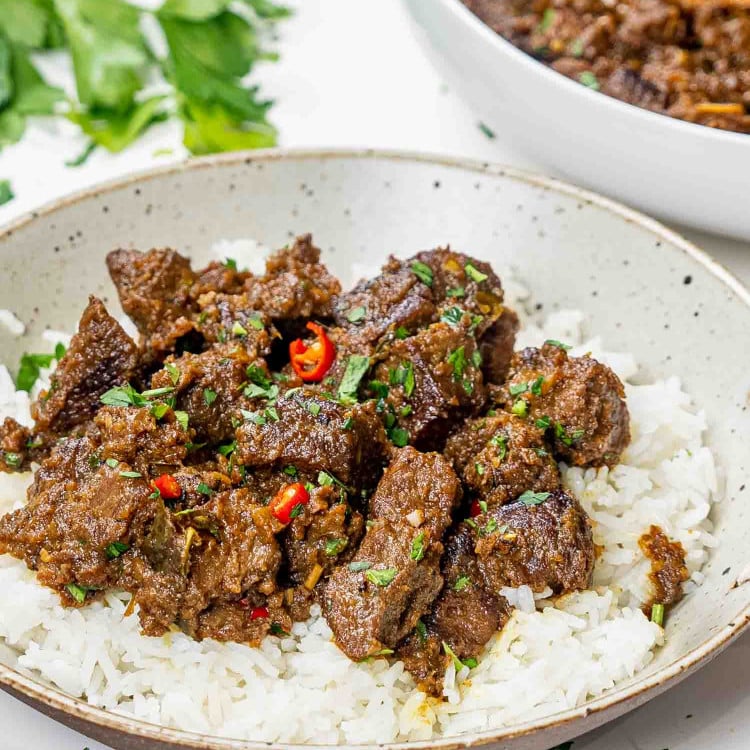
[[464, 617], [500, 456], [375, 600], [16, 446], [262, 450], [315, 434], [230, 318], [580, 398], [496, 346], [100, 356], [209, 387], [78, 508], [430, 381], [544, 539], [296, 284], [395, 300], [154, 290], [326, 533], [420, 488]]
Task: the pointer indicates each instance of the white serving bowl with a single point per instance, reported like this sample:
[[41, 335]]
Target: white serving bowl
[[687, 173]]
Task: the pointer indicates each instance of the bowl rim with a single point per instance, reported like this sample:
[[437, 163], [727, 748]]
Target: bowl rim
[[58, 702], [617, 107]]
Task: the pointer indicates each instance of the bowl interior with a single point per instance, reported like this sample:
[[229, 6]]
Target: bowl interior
[[644, 290]]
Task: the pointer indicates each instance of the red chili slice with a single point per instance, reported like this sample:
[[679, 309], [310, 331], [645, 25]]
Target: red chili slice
[[169, 488], [475, 509], [312, 362], [287, 499], [259, 613]]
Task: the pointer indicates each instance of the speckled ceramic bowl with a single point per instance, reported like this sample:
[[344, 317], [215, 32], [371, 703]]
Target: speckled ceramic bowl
[[646, 290]]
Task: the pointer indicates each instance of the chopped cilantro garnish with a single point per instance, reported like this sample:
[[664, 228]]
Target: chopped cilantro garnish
[[399, 437], [356, 314], [417, 547], [457, 292], [115, 549], [422, 271], [173, 371], [657, 614], [474, 273], [313, 407], [113, 463], [543, 423], [356, 567], [452, 315], [421, 629], [77, 591], [558, 344], [255, 320], [457, 358], [348, 423], [401, 333], [500, 442], [238, 329], [548, 18], [533, 498], [209, 396], [479, 468], [230, 263], [536, 386], [587, 78], [335, 546], [382, 576], [520, 408], [461, 583], [272, 413], [182, 419], [356, 367], [516, 389], [228, 449], [204, 489]]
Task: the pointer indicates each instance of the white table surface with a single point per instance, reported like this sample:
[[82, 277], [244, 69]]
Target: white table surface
[[353, 74]]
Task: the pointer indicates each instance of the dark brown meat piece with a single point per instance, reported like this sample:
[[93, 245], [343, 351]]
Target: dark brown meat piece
[[209, 387], [325, 534], [296, 284], [135, 437], [501, 456], [222, 278], [433, 379], [419, 488], [16, 446], [548, 543], [409, 512], [77, 507], [373, 602], [100, 356], [233, 551], [465, 616], [230, 318], [582, 399], [315, 434], [394, 299], [154, 290], [496, 346], [668, 569]]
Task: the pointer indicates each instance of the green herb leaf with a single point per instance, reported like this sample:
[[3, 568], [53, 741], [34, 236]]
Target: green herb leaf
[[548, 18], [517, 388], [587, 78], [182, 419], [209, 396], [348, 424], [228, 449], [461, 583], [356, 314], [543, 423], [479, 468], [421, 629], [536, 386], [382, 576], [399, 437], [159, 409], [520, 408], [6, 194], [422, 271], [77, 591], [131, 474], [457, 358], [418, 547], [173, 371], [452, 315], [313, 407], [474, 273], [356, 368], [268, 10], [115, 549], [204, 489], [124, 395], [113, 463], [356, 567], [657, 614], [500, 442], [336, 546], [401, 333], [486, 130], [457, 292], [533, 498], [29, 369], [558, 344]]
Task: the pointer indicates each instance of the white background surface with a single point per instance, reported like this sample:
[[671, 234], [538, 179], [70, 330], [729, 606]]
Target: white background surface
[[353, 74]]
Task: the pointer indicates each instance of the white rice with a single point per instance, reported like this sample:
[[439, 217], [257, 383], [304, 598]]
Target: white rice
[[551, 656]]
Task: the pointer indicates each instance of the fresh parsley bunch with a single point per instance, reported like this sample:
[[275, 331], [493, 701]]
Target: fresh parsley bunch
[[211, 45]]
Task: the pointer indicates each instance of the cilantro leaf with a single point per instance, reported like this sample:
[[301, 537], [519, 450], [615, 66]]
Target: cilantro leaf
[[6, 192]]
